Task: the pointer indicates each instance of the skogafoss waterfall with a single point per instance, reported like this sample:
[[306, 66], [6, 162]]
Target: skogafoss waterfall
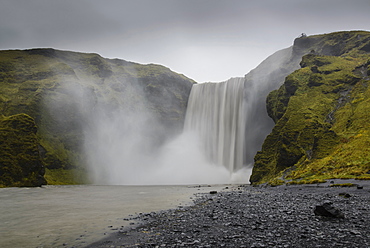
[[121, 147], [216, 115]]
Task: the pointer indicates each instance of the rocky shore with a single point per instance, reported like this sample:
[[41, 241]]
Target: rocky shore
[[246, 216]]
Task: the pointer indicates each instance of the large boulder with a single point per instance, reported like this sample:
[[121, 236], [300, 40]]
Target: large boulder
[[328, 210]]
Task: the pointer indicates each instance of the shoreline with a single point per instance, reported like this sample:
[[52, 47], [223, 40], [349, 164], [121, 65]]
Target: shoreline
[[247, 216]]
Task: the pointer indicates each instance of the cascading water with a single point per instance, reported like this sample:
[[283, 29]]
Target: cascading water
[[216, 114]]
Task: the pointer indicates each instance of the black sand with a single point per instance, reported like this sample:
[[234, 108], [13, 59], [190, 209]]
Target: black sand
[[245, 216]]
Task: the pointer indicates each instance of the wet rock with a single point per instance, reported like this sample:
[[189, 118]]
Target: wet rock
[[327, 210], [355, 232]]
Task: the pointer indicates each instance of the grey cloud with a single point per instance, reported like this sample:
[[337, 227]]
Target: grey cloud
[[52, 21], [181, 34]]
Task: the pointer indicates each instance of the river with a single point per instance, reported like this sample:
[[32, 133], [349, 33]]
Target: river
[[75, 216]]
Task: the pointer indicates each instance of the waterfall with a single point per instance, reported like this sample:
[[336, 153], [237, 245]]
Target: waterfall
[[216, 115]]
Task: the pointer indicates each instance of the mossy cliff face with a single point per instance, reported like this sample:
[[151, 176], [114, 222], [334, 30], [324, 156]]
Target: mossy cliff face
[[321, 114], [58, 89], [20, 159], [271, 73]]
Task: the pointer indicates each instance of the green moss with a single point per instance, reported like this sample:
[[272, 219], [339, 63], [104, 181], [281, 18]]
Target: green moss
[[20, 160], [363, 177], [276, 182], [312, 181], [279, 181]]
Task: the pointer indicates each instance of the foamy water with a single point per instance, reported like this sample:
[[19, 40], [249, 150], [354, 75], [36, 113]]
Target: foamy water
[[66, 216]]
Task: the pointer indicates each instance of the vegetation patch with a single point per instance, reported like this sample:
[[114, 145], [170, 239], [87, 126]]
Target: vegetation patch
[[20, 160], [306, 181], [276, 182]]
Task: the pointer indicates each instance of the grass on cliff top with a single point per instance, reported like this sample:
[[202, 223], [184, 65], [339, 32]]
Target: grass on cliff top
[[344, 43]]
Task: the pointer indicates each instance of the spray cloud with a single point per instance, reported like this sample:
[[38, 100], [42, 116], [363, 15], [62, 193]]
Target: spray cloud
[[125, 140]]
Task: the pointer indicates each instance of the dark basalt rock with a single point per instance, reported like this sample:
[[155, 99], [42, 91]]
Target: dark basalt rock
[[327, 210]]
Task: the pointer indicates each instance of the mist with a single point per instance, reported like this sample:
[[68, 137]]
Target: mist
[[122, 150]]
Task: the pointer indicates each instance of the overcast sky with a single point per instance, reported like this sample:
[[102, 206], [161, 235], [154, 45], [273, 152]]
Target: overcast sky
[[207, 40]]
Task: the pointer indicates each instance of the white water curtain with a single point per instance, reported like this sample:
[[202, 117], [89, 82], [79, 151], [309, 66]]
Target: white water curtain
[[216, 115]]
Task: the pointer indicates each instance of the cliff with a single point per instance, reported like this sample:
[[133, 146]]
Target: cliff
[[62, 90], [321, 114], [266, 77]]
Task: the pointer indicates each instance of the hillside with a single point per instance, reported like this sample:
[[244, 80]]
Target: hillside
[[66, 92], [321, 114]]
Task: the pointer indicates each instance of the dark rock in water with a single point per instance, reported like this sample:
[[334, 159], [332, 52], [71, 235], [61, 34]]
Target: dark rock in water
[[360, 187], [327, 210]]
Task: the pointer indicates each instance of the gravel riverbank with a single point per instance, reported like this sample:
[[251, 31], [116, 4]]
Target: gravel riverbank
[[245, 216]]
